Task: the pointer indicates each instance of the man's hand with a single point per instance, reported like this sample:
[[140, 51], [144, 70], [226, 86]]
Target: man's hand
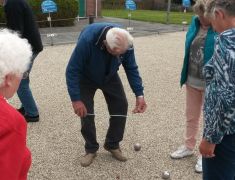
[[207, 149], [79, 108], [140, 105]]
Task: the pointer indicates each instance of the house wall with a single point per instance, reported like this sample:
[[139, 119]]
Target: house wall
[[91, 7]]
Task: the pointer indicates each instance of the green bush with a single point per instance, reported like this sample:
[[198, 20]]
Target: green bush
[[2, 18], [67, 11]]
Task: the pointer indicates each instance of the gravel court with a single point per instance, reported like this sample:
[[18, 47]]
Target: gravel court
[[57, 145]]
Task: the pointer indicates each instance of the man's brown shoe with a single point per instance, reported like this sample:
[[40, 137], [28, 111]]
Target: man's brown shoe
[[117, 154], [87, 159]]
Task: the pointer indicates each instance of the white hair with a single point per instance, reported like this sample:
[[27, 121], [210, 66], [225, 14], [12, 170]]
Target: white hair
[[227, 6], [119, 38], [15, 54]]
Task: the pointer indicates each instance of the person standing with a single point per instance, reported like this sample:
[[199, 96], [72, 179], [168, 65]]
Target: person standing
[[199, 47], [100, 50], [218, 144], [15, 157], [20, 18]]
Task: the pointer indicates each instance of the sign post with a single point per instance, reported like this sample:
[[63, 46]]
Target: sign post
[[186, 4], [131, 6], [168, 11], [49, 6]]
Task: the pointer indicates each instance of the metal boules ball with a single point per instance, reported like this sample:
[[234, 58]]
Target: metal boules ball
[[165, 175], [137, 147]]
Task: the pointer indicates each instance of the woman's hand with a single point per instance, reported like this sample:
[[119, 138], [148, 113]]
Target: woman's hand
[[207, 149]]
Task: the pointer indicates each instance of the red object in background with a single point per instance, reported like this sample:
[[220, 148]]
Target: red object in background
[[15, 157]]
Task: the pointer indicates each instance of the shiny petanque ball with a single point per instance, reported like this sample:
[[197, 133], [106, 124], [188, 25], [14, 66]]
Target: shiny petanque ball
[[165, 175], [137, 147]]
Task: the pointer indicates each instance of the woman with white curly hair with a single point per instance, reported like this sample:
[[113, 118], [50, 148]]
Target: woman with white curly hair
[[218, 144], [15, 157]]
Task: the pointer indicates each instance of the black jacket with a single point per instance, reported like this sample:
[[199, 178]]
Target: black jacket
[[20, 18]]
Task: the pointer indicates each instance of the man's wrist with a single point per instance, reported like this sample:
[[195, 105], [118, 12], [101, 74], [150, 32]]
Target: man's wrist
[[141, 96]]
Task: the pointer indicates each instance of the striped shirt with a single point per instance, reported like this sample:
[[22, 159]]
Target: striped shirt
[[219, 72]]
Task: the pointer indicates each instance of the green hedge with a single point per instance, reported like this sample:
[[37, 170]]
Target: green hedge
[[67, 9]]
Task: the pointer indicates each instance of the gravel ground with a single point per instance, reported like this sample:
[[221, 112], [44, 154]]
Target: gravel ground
[[57, 145]]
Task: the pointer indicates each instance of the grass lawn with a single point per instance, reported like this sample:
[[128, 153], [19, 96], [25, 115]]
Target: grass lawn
[[149, 15]]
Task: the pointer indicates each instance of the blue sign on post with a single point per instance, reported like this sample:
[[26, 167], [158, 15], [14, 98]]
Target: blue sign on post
[[186, 3], [130, 5], [49, 6]]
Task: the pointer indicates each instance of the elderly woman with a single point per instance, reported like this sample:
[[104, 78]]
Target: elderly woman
[[218, 143], [15, 158], [199, 48]]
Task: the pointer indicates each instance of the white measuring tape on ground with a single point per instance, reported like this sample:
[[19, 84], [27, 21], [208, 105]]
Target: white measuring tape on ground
[[111, 115]]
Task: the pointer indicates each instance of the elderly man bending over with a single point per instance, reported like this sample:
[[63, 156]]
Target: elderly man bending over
[[100, 50]]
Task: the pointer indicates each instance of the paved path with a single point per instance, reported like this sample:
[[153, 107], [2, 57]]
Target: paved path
[[66, 35], [56, 142]]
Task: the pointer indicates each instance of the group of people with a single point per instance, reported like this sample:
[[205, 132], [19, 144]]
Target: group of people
[[199, 48], [208, 74], [17, 54]]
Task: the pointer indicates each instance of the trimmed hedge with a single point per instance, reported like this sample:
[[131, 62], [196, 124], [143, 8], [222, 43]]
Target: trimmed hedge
[[67, 9]]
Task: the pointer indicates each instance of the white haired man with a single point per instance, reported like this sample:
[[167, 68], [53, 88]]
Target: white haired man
[[15, 157], [100, 50]]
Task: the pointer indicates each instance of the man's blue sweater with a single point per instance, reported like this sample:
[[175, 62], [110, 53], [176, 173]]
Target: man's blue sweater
[[91, 62]]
